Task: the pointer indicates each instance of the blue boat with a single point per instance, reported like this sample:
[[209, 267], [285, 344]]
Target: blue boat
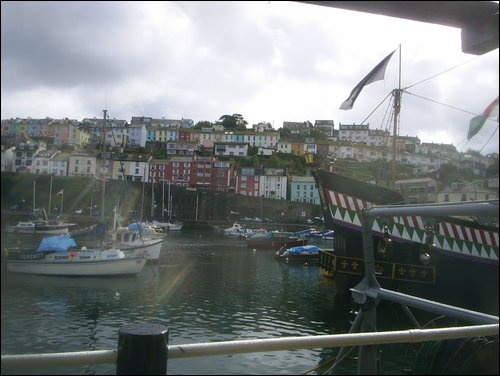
[[303, 253]]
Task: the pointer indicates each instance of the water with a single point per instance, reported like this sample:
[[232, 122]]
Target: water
[[206, 288]]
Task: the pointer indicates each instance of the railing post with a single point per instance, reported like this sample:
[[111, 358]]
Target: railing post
[[142, 350]]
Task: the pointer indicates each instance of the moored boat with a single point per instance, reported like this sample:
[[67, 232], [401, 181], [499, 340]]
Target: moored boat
[[133, 242], [59, 256], [445, 256], [303, 253], [40, 227], [136, 239], [275, 240]]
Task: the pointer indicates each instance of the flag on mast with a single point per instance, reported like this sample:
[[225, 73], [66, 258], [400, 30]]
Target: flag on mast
[[60, 192], [477, 122], [376, 74]]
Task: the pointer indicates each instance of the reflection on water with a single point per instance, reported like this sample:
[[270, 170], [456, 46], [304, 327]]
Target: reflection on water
[[205, 289]]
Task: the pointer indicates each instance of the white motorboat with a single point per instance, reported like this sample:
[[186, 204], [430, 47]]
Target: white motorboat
[[135, 243]]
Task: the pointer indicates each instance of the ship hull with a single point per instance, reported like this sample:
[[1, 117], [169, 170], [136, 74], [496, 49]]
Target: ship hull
[[441, 258]]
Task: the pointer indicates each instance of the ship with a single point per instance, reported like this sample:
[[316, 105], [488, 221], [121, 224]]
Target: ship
[[452, 258]]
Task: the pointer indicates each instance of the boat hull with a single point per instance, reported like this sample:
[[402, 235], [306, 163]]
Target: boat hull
[[149, 248], [75, 264], [453, 261], [304, 254], [36, 228]]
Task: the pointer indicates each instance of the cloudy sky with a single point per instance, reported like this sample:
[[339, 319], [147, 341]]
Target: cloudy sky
[[268, 61]]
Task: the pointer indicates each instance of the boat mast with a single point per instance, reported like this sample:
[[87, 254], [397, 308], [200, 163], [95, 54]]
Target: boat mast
[[103, 163], [50, 193], [152, 197], [397, 108], [169, 203], [34, 189]]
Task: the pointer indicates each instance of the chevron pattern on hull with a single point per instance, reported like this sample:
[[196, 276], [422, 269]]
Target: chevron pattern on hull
[[456, 239]]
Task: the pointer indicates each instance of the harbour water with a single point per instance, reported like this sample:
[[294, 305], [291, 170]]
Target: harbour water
[[206, 288]]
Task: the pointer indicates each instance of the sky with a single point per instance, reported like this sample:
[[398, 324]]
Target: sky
[[270, 61]]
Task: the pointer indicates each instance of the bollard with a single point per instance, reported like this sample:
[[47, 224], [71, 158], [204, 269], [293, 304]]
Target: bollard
[[142, 350]]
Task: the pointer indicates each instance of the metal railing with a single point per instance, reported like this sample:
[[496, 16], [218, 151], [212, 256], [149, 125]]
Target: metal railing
[[82, 358]]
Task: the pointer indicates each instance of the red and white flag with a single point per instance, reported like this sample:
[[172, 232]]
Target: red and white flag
[[477, 122]]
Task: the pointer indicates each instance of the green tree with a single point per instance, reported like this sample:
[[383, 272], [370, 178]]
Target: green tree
[[233, 122], [449, 173], [203, 124], [492, 169], [253, 150]]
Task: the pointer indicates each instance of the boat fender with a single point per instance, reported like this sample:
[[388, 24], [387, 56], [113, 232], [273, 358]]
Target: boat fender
[[5, 253], [72, 254]]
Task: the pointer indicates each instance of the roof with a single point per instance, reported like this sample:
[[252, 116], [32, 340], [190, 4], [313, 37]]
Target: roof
[[477, 19]]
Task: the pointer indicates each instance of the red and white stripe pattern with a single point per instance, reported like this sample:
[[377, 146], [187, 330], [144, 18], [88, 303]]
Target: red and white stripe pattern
[[410, 221], [347, 202], [449, 230], [466, 233]]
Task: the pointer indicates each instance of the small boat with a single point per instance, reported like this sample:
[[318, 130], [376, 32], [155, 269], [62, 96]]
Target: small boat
[[40, 227], [59, 256], [135, 243], [303, 253], [275, 240], [174, 226], [145, 229], [166, 226], [236, 228], [328, 235], [136, 239], [310, 233]]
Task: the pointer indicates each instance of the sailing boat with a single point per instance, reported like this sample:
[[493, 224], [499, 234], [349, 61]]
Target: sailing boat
[[452, 258], [132, 240], [59, 256], [41, 226], [169, 225]]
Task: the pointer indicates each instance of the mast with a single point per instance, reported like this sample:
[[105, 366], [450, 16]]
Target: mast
[[34, 189], [169, 203], [397, 108], [50, 193], [152, 197], [103, 164], [163, 200]]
